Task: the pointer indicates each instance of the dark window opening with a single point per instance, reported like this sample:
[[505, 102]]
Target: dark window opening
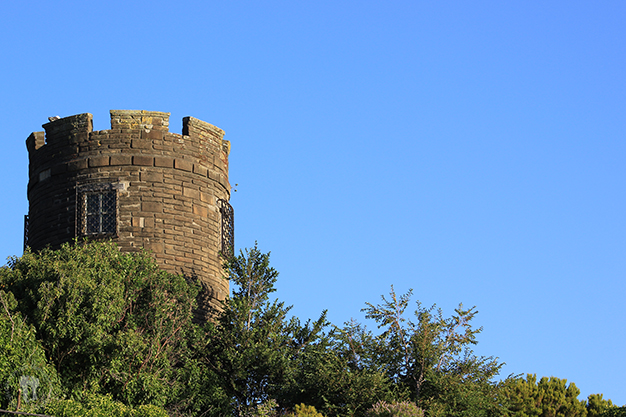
[[227, 228], [26, 221]]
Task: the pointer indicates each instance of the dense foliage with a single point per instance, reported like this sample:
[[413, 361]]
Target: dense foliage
[[554, 397], [402, 409], [109, 323], [432, 359], [254, 347], [92, 405], [23, 366], [88, 330], [548, 397]]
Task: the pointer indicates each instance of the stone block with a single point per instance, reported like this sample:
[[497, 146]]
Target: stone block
[[58, 169], [151, 176], [200, 210], [140, 144], [138, 221], [162, 161], [119, 159], [152, 207], [154, 247], [154, 133], [143, 160], [200, 170], [77, 164], [191, 193], [98, 161], [183, 165]]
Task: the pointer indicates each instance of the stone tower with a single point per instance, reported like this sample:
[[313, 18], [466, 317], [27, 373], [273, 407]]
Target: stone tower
[[139, 185]]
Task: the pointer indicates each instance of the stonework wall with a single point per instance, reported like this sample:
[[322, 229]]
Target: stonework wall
[[167, 184]]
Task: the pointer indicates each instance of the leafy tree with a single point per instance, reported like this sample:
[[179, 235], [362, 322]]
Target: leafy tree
[[596, 405], [253, 346], [550, 397], [114, 333], [264, 355], [614, 412], [431, 357], [109, 322], [27, 381], [599, 407], [336, 377]]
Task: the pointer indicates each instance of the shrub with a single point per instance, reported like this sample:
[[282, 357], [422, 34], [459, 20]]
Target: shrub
[[302, 410], [265, 409], [101, 406], [401, 409]]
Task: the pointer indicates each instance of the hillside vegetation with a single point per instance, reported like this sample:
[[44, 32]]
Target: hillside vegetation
[[89, 331]]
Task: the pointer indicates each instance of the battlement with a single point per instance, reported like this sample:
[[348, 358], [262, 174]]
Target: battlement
[[149, 124], [139, 119], [149, 187], [136, 137]]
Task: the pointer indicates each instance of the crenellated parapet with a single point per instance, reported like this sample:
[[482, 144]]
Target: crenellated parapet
[[162, 191], [136, 137]]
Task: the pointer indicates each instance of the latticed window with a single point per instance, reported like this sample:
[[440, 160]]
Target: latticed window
[[97, 214], [26, 222], [228, 227]]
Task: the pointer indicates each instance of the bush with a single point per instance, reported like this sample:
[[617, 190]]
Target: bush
[[265, 409], [401, 409], [302, 410], [101, 406]]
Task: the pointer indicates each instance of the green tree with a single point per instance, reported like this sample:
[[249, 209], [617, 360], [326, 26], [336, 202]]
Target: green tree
[[614, 412], [337, 376], [599, 407], [109, 322], [254, 346], [596, 405], [27, 380], [431, 357], [260, 354], [550, 397]]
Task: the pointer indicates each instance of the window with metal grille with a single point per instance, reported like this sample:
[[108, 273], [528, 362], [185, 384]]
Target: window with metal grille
[[97, 213], [26, 221], [228, 227]]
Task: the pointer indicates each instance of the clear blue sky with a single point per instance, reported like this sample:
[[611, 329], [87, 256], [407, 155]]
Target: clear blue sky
[[473, 151]]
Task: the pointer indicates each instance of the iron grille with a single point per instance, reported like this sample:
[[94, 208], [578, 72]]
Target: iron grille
[[228, 227], [97, 213], [26, 220]]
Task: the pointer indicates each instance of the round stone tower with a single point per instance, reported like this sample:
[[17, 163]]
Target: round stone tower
[[138, 185]]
